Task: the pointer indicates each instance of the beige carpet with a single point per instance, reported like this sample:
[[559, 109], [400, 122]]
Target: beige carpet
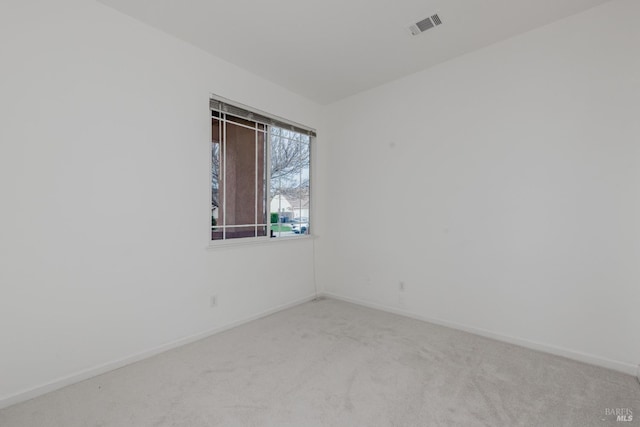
[[330, 363]]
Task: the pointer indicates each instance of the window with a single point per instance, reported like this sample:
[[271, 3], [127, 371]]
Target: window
[[260, 174]]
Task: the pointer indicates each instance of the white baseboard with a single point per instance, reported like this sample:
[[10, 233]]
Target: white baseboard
[[110, 366], [627, 368]]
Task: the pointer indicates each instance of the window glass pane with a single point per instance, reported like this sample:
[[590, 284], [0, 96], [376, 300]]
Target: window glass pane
[[240, 177], [289, 181], [241, 186], [301, 208], [216, 232]]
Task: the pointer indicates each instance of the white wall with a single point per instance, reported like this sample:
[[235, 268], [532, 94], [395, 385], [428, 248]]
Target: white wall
[[519, 166], [104, 184]]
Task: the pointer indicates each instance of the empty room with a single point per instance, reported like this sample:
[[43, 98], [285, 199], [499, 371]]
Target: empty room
[[319, 213]]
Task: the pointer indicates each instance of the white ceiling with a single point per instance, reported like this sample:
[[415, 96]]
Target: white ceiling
[[326, 50]]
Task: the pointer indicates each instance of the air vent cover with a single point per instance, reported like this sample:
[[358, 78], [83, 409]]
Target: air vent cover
[[424, 25]]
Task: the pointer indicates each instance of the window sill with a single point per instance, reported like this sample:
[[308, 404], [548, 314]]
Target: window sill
[[255, 241]]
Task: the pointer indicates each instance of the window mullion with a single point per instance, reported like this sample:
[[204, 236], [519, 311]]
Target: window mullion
[[255, 195], [224, 176], [267, 190]]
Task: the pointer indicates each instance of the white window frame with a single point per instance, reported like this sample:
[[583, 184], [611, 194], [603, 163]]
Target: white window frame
[[269, 121]]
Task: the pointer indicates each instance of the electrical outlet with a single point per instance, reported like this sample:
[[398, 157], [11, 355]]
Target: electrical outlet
[[401, 286], [213, 301]]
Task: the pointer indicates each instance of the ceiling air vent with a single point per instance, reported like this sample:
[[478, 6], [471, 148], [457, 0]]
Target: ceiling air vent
[[425, 24]]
